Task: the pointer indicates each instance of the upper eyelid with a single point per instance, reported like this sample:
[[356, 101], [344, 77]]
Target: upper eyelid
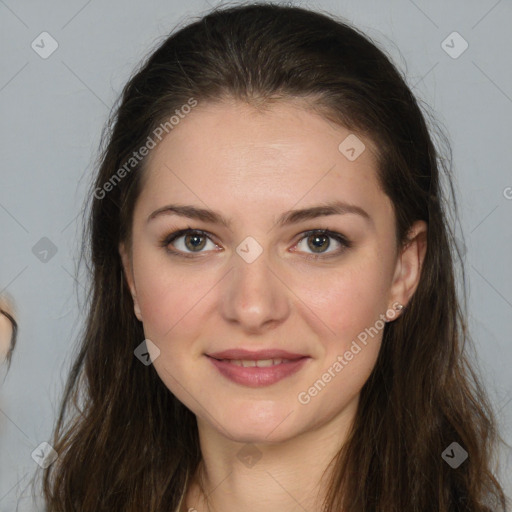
[[183, 232]]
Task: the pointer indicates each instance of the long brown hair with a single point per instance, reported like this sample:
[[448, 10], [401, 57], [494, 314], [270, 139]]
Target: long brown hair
[[129, 444]]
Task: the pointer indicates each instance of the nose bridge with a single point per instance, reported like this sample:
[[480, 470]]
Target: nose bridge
[[254, 297]]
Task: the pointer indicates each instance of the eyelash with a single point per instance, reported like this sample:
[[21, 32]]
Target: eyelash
[[345, 242]]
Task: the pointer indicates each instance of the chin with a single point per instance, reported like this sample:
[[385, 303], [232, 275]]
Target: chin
[[255, 436], [259, 426]]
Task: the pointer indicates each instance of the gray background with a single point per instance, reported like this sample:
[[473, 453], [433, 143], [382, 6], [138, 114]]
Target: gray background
[[53, 111]]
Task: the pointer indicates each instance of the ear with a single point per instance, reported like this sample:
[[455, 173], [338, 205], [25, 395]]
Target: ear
[[409, 264], [128, 274]]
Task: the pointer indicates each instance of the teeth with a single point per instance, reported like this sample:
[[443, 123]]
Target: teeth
[[267, 362], [260, 363]]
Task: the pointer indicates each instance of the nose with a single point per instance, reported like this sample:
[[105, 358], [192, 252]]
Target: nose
[[255, 296]]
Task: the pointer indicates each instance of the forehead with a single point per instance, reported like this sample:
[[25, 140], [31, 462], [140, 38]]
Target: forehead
[[229, 154]]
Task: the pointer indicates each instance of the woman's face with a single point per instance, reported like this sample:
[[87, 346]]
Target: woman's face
[[260, 282], [6, 330]]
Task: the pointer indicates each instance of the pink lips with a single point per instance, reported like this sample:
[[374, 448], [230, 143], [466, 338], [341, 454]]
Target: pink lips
[[240, 353], [255, 376]]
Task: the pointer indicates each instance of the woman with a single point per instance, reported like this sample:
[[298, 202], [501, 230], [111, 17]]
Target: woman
[[273, 321]]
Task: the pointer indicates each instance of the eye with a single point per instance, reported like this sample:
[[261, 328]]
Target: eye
[[318, 241], [187, 242]]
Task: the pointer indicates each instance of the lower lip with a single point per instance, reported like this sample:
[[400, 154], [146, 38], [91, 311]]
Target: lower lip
[[255, 377]]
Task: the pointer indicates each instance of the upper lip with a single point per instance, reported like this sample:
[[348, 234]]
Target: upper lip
[[240, 353]]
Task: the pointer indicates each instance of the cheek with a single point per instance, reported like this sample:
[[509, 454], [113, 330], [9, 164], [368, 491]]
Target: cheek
[[350, 304], [348, 299], [169, 298], [170, 305]]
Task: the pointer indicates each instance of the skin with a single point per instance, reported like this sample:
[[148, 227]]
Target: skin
[[6, 329], [252, 166]]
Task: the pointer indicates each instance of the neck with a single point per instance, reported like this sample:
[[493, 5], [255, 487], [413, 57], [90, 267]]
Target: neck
[[288, 476]]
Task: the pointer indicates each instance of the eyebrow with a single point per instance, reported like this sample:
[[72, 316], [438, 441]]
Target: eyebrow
[[287, 218]]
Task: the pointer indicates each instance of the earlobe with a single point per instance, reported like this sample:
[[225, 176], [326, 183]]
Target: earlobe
[[128, 275], [136, 309]]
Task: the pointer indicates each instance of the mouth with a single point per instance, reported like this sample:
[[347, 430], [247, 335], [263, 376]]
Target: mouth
[[240, 354], [260, 363], [256, 369]]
